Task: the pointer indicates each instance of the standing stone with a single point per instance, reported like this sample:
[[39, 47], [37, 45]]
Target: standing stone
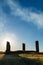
[[8, 47], [37, 46], [23, 46]]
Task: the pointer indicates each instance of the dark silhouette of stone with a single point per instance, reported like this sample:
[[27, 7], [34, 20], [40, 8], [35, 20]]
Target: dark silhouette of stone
[[8, 47], [23, 46], [37, 46]]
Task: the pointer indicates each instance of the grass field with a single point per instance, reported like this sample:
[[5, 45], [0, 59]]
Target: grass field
[[21, 59]]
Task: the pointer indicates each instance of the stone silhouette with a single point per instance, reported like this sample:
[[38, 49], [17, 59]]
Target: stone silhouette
[[8, 47], [23, 46], [37, 46]]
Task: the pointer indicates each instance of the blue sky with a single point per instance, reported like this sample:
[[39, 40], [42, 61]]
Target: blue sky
[[21, 21]]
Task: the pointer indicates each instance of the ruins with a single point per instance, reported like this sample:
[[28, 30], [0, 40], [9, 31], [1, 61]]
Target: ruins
[[23, 47]]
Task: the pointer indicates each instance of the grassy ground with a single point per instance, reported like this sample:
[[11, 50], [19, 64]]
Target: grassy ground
[[21, 59]]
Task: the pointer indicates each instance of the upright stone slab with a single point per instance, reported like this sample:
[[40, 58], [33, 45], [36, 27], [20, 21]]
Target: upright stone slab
[[37, 46], [23, 46], [8, 47]]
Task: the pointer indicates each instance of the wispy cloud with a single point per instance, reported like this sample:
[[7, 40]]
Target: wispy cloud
[[2, 20], [26, 14]]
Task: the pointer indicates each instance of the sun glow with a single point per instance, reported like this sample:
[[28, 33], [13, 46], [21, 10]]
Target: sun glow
[[11, 38]]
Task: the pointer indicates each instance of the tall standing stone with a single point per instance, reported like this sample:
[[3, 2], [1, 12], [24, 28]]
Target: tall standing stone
[[23, 46], [8, 47], [37, 46]]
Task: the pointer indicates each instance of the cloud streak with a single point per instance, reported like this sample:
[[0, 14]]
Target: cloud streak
[[2, 21], [26, 14]]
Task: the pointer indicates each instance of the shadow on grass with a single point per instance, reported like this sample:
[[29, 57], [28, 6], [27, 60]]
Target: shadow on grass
[[15, 59]]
